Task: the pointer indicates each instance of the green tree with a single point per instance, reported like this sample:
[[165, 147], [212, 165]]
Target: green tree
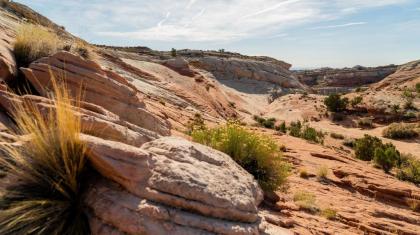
[[173, 52], [386, 157], [365, 147]]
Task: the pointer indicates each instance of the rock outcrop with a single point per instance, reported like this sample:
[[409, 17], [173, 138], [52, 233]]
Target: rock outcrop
[[97, 86], [347, 77], [168, 187]]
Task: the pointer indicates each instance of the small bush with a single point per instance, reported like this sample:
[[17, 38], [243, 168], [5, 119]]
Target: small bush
[[173, 52], [282, 127], [365, 123], [322, 173], [356, 101], [311, 134], [295, 129], [386, 157], [402, 131], [365, 147], [306, 201], [329, 213], [258, 154], [303, 173], [335, 103], [410, 170], [418, 87], [196, 124], [267, 123], [34, 42], [337, 136]]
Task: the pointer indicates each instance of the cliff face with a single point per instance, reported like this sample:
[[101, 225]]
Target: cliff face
[[347, 77]]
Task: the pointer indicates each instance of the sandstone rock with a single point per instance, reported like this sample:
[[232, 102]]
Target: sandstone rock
[[180, 65], [100, 87], [7, 59], [236, 68], [168, 186], [347, 77]]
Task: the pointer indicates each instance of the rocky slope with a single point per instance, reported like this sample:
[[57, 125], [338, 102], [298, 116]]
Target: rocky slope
[[344, 78], [149, 182]]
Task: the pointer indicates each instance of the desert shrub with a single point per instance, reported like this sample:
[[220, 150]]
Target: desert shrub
[[337, 136], [365, 147], [408, 94], [395, 109], [402, 131], [33, 42], [329, 213], [303, 173], [356, 100], [410, 170], [48, 172], [267, 123], [386, 157], [258, 154], [365, 123], [197, 123], [306, 201], [337, 117], [311, 134], [173, 52], [282, 127], [418, 87], [409, 105], [335, 103], [349, 143], [295, 129], [322, 173]]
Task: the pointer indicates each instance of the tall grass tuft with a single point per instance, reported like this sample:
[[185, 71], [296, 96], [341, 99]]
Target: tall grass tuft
[[34, 42], [258, 154], [45, 176]]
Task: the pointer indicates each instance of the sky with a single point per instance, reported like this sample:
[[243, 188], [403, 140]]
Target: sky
[[305, 33]]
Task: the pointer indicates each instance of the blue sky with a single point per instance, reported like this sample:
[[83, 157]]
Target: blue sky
[[305, 33]]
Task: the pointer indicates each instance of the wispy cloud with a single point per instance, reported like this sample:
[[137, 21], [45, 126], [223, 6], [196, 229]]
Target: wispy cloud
[[199, 20], [339, 25]]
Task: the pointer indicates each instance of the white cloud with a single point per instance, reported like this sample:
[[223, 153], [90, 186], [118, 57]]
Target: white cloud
[[198, 20], [339, 25]]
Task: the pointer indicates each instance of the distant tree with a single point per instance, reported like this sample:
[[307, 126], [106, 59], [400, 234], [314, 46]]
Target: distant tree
[[173, 52]]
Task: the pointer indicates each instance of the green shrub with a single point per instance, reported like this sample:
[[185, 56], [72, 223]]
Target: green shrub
[[258, 154], [365, 147], [306, 201], [311, 134], [267, 123], [335, 103], [386, 157], [295, 129], [356, 100], [337, 136], [34, 42], [410, 170], [418, 87], [173, 52], [282, 127], [402, 131]]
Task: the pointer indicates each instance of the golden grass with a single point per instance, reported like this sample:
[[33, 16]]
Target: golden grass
[[34, 42], [322, 173], [329, 213], [44, 189], [306, 200]]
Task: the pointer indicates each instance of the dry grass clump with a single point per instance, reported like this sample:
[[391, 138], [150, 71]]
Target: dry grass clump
[[402, 131], [306, 201], [329, 213], [34, 42], [322, 173], [258, 154], [44, 192], [303, 173]]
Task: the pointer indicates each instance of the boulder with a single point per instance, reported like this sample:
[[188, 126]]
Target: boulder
[[97, 86], [7, 59], [169, 186]]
